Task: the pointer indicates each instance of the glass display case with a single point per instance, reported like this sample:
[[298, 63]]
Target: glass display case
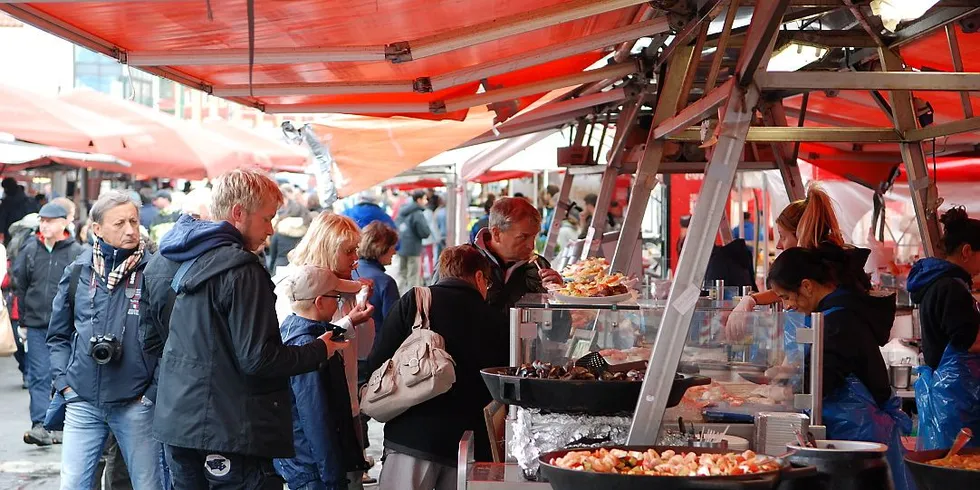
[[759, 369]]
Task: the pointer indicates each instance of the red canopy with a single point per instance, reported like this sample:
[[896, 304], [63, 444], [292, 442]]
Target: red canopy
[[498, 175], [381, 57], [37, 118]]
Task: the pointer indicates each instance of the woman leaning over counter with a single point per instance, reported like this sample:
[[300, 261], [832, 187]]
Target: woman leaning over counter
[[947, 393], [858, 403]]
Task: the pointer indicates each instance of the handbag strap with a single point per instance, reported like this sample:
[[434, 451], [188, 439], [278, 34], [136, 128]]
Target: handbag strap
[[423, 301]]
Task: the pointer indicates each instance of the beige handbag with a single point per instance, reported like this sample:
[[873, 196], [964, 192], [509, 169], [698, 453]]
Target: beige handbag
[[8, 346], [420, 370]]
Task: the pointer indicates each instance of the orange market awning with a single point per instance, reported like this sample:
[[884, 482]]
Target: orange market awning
[[417, 58]]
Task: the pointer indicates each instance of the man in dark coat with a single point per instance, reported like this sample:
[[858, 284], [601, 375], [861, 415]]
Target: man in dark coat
[[224, 400], [36, 273], [97, 365], [508, 243]]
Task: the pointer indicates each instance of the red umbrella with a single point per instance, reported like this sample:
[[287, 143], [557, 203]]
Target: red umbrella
[[181, 149], [37, 118], [274, 155]]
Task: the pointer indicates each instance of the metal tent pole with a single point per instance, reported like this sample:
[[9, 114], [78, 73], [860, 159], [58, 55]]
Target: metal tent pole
[[668, 103], [773, 114], [561, 211], [921, 187], [720, 175]]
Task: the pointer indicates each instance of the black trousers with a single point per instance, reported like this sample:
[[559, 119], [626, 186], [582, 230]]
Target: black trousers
[[193, 469]]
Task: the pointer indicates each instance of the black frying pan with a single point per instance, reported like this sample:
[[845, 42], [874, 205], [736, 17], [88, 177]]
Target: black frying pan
[[930, 477], [576, 396], [564, 479]]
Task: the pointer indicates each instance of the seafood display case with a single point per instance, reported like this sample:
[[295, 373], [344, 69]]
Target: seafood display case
[[722, 383]]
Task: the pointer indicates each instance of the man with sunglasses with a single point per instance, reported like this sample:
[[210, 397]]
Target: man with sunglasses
[[223, 400]]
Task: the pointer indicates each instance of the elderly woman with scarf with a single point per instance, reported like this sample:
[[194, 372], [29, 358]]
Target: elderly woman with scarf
[[332, 243]]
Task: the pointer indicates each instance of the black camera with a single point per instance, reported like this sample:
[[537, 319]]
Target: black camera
[[105, 348]]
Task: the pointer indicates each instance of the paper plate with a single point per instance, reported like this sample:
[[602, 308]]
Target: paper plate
[[600, 300]]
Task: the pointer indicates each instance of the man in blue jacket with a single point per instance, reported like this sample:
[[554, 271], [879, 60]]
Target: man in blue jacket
[[368, 211], [324, 436], [96, 359]]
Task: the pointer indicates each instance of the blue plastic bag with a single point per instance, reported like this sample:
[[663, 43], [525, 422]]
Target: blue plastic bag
[[851, 414], [948, 399]]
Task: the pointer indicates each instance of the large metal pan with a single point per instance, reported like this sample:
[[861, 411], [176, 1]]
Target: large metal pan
[[930, 477], [564, 479], [576, 396]]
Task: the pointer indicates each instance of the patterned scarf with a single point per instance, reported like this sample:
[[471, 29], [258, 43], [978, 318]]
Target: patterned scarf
[[121, 270]]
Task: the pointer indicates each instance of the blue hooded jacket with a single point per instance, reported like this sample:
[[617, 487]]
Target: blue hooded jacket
[[366, 213], [191, 237], [947, 311], [320, 450]]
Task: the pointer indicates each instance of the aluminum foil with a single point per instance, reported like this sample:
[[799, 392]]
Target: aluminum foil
[[535, 433]]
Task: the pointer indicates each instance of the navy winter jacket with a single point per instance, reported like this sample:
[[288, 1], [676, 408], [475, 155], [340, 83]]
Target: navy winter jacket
[[97, 312]]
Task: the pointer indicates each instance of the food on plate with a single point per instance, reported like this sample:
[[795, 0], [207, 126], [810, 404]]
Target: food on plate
[[711, 394], [959, 462], [546, 370], [668, 463], [585, 270], [598, 287], [616, 356]]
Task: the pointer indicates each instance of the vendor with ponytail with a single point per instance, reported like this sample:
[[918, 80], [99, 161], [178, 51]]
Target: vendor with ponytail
[[812, 224], [858, 403], [947, 393]]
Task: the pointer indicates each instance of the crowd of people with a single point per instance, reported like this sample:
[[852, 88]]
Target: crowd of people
[[229, 350], [232, 350]]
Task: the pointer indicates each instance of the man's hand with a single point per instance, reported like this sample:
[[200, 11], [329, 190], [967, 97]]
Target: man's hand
[[333, 346], [361, 313], [550, 279]]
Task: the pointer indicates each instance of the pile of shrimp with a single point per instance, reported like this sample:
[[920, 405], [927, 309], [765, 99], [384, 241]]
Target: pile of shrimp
[[668, 463]]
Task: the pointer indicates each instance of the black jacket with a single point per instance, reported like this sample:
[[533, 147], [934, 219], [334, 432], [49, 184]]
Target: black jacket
[[947, 311], [36, 274], [476, 337], [224, 372], [15, 206], [289, 232], [509, 282], [855, 326]]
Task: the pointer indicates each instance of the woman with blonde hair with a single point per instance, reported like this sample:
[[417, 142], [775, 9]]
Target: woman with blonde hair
[[808, 223], [332, 242]]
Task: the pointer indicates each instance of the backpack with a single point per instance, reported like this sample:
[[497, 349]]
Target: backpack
[[420, 369]]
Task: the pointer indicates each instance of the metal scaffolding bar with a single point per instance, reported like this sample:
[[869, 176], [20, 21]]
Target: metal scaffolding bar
[[726, 33], [870, 80], [970, 125], [954, 52], [561, 211], [775, 115], [671, 97], [921, 187], [806, 134], [694, 113], [684, 293]]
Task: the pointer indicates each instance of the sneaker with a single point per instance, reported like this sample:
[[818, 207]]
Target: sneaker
[[56, 436], [38, 435]]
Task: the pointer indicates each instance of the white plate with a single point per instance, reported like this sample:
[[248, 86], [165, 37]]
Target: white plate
[[602, 300]]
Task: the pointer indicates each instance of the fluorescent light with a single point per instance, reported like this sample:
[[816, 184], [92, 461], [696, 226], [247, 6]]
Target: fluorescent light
[[796, 55], [893, 12]]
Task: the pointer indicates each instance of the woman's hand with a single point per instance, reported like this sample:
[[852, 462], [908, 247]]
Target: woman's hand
[[333, 346], [361, 313], [735, 328]]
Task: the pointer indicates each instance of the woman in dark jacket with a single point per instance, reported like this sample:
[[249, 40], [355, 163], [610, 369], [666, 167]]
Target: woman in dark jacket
[[947, 392], [421, 444], [858, 403]]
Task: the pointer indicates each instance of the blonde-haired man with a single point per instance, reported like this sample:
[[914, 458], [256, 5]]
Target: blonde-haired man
[[224, 408]]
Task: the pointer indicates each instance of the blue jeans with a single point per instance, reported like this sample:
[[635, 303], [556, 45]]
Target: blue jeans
[[86, 429], [38, 373]]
